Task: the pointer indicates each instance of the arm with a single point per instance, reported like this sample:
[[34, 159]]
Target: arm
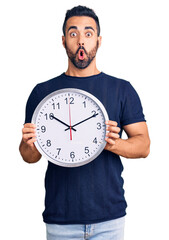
[[27, 148], [136, 146]]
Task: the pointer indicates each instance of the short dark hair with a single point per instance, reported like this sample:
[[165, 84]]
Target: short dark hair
[[81, 11]]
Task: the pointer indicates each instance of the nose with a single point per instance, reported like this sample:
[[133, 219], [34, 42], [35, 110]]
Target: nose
[[80, 41], [81, 44]]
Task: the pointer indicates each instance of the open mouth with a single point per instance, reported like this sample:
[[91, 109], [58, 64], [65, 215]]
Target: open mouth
[[81, 54]]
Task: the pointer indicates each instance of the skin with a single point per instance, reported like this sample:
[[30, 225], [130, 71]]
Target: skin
[[81, 37], [82, 31]]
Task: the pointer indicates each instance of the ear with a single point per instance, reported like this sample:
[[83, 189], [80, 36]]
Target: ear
[[63, 41], [99, 40]]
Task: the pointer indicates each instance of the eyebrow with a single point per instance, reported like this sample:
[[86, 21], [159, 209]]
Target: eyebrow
[[90, 28], [72, 27], [75, 27]]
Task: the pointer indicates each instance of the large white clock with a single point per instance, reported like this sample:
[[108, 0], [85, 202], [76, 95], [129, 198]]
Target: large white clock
[[70, 127]]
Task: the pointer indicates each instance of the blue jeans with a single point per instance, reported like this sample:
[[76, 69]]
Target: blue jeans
[[109, 230]]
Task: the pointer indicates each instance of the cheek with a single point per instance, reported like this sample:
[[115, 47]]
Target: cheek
[[70, 42], [90, 44]]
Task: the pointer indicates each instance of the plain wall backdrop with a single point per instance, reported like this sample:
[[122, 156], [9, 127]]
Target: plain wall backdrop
[[134, 47]]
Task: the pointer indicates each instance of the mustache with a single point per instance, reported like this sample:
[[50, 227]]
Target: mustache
[[81, 47]]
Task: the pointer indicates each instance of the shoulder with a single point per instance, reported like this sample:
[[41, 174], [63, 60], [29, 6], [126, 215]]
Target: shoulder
[[42, 89], [121, 85], [116, 80], [49, 82], [122, 88]]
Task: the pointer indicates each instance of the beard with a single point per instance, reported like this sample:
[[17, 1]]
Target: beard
[[82, 64]]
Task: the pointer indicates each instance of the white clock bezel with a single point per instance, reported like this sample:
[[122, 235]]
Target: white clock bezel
[[74, 90]]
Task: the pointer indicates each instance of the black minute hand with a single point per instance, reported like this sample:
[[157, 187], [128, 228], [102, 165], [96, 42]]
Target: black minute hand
[[94, 115], [63, 123]]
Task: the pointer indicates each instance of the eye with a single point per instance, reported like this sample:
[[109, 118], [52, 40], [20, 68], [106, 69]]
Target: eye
[[88, 34], [73, 34]]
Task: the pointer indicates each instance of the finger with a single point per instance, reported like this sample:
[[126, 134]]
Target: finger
[[112, 123], [112, 135], [26, 137], [28, 130], [110, 141], [29, 125], [113, 129], [31, 141]]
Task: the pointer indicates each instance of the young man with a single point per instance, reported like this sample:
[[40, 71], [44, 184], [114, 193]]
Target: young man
[[88, 202]]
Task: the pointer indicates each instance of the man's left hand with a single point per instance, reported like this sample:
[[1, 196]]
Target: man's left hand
[[112, 134]]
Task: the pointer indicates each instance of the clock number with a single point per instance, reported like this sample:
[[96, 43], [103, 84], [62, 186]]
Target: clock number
[[86, 150], [95, 140], [50, 116], [58, 106], [71, 99], [48, 143], [99, 126], [84, 104], [93, 112], [46, 116], [53, 106], [58, 149], [43, 129], [72, 155]]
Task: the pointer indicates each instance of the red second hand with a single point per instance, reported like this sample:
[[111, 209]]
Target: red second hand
[[70, 122]]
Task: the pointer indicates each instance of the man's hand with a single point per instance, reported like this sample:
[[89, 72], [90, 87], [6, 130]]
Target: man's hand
[[29, 134], [136, 146], [112, 134], [27, 148]]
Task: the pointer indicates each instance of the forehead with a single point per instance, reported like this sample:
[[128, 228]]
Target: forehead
[[81, 22]]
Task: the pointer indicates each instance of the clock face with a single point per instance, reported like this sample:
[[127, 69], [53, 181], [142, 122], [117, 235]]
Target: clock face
[[70, 127]]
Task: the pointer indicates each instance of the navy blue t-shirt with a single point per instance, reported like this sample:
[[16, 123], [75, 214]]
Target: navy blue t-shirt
[[94, 192]]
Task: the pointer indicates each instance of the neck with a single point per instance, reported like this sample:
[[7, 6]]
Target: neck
[[76, 72]]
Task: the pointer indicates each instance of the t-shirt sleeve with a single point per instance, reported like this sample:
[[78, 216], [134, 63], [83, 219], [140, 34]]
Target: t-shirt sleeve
[[132, 111], [31, 104]]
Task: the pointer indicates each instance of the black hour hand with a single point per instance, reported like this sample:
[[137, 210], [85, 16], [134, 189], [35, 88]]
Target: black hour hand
[[63, 123]]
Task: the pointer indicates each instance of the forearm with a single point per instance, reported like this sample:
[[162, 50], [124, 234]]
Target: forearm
[[133, 147], [28, 153]]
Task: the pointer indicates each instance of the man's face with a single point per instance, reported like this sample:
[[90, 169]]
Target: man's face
[[81, 41]]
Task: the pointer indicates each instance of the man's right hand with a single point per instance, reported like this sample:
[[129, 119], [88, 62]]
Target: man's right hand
[[29, 134], [27, 148]]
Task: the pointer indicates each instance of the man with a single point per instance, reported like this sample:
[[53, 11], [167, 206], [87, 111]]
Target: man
[[88, 202]]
